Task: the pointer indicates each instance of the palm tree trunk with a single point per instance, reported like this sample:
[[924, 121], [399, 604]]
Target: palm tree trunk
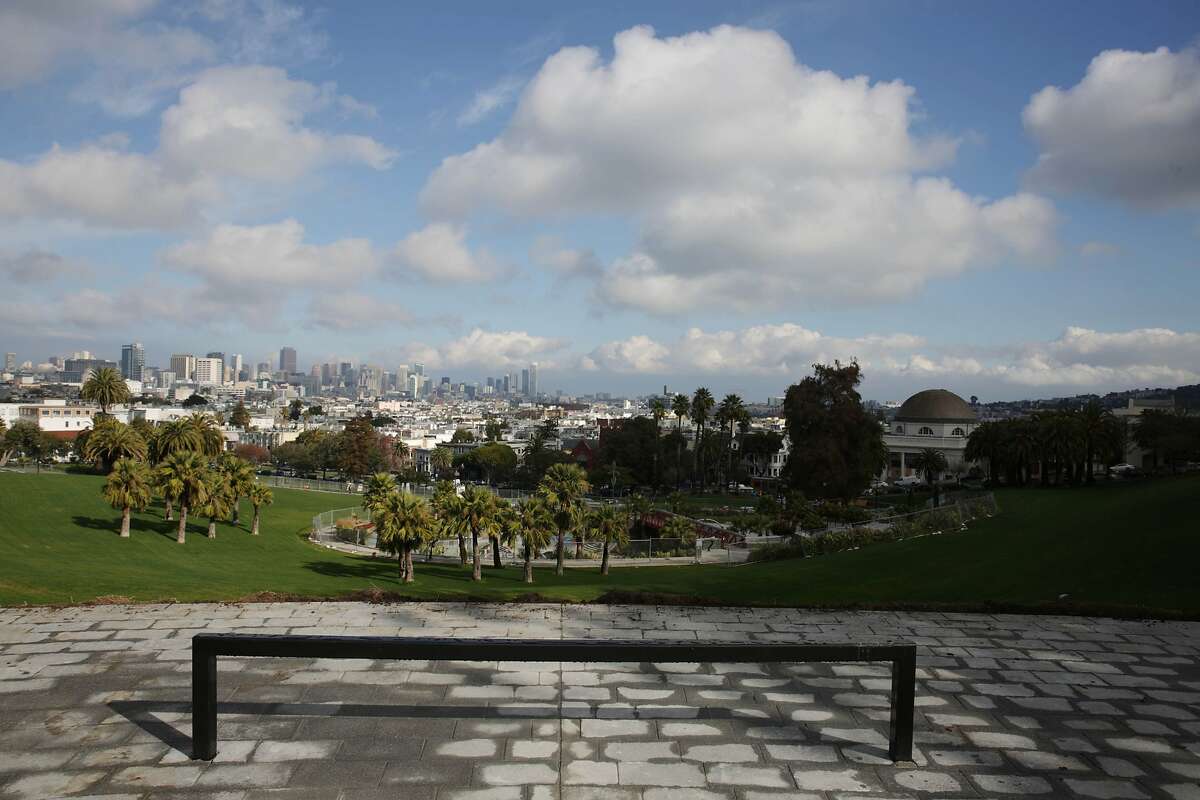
[[170, 511], [181, 534], [212, 528], [462, 550], [528, 563], [402, 567], [406, 557], [237, 510], [578, 547], [476, 567], [496, 552], [558, 569], [604, 560], [1090, 478], [125, 522], [254, 524]]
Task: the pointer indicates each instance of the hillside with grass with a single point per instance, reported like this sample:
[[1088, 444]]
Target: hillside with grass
[[1124, 548]]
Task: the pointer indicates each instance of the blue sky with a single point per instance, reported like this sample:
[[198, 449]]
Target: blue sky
[[631, 195]]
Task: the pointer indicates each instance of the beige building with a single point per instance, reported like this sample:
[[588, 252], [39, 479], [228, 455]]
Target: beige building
[[935, 418]]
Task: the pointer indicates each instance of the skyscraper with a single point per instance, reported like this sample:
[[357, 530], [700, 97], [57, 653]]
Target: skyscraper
[[525, 382], [133, 360], [210, 370], [235, 362], [533, 383], [10, 362], [287, 360], [184, 366]]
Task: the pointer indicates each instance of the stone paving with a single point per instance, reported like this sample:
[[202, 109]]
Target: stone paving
[[94, 702]]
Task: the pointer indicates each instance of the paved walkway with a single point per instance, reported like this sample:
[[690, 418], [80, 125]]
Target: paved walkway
[[95, 702]]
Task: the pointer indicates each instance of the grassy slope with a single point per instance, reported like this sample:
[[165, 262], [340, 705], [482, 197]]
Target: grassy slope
[[1120, 547]]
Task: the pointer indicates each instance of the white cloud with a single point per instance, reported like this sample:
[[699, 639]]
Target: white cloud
[[488, 350], [439, 252], [247, 122], [753, 178], [490, 99], [350, 311], [549, 253], [261, 31], [39, 266], [1128, 130], [101, 186], [1081, 359]]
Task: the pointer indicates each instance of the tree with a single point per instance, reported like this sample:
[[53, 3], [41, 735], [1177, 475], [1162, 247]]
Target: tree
[[193, 400], [563, 488], [1173, 437], [493, 430], [478, 509], [496, 461], [984, 445], [931, 463], [240, 418], [636, 508], [1097, 425], [440, 461], [658, 412], [731, 411], [219, 501], [377, 487], [295, 409], [183, 479], [253, 453], [177, 436], [447, 506], [611, 525], [105, 387], [462, 436], [27, 440], [836, 445], [537, 530], [208, 433], [402, 521], [259, 496], [239, 477], [679, 529], [110, 441], [702, 403], [358, 448], [680, 407], [127, 488]]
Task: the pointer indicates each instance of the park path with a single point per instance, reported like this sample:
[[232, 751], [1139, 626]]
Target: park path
[[94, 701]]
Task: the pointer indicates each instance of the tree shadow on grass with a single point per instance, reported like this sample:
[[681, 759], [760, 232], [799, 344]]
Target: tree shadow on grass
[[136, 525], [387, 569]]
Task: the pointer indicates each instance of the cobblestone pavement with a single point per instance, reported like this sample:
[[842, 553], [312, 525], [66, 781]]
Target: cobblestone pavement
[[95, 702]]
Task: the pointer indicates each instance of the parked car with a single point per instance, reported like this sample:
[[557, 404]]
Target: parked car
[[909, 482], [1122, 469]]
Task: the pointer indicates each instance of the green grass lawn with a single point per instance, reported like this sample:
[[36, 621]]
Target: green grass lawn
[[1121, 548]]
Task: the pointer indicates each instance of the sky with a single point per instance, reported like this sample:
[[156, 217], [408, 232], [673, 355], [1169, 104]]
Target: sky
[[1001, 199]]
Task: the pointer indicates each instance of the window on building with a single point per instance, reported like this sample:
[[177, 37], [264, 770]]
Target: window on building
[[958, 432], [925, 431], [899, 429]]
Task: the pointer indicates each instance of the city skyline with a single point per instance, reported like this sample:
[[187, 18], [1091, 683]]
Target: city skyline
[[945, 197]]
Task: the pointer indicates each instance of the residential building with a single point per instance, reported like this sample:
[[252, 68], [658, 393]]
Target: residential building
[[59, 419], [210, 371]]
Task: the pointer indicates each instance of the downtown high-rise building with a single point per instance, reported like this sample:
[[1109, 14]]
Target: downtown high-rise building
[[184, 366], [10, 362], [235, 364], [287, 360], [533, 381], [210, 370], [133, 361]]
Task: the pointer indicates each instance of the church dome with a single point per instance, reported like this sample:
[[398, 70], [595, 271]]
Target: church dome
[[936, 405]]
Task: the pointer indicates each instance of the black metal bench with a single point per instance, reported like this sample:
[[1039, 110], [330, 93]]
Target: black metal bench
[[207, 646]]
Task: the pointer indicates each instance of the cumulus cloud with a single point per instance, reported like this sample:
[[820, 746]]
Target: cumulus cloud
[[490, 99], [264, 260], [549, 253], [38, 266], [1126, 131], [231, 123], [439, 252], [351, 311], [754, 179], [1080, 359], [488, 349]]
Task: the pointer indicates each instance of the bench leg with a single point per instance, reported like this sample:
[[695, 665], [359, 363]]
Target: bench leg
[[904, 685], [204, 705]]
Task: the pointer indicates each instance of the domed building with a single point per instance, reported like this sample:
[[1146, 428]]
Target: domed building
[[934, 418]]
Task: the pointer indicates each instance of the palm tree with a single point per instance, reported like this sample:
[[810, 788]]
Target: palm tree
[[730, 412], [932, 463], [379, 485], [402, 522], [176, 436], [220, 498], [478, 509], [440, 460], [401, 453], [209, 433], [563, 488], [702, 403], [611, 524], [110, 441], [984, 445], [259, 495], [105, 387], [537, 530], [658, 411], [239, 476], [447, 506], [127, 488], [681, 528], [680, 407], [636, 508], [183, 479], [1097, 427]]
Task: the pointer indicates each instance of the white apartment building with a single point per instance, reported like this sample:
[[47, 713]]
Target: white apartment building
[[59, 419], [210, 371]]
